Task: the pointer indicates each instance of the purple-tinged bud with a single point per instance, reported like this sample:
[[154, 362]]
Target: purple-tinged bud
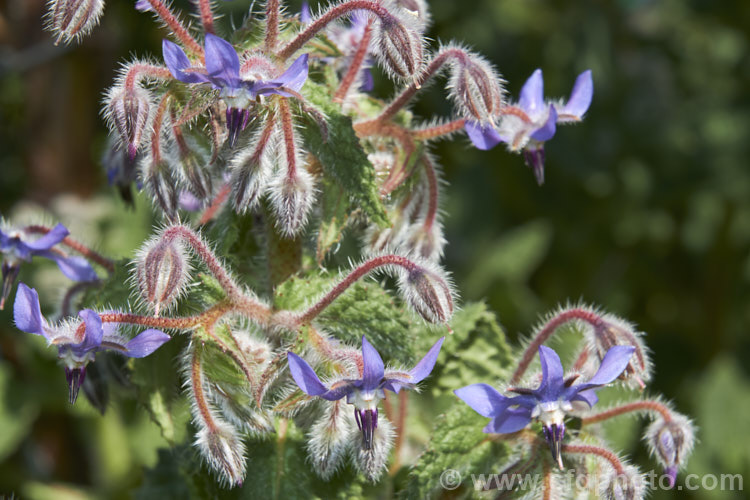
[[328, 439], [399, 45], [128, 111], [372, 461], [629, 485], [428, 292], [75, 377], [69, 19], [163, 187], [223, 450], [670, 442], [292, 197], [612, 331], [162, 273], [476, 88], [195, 172]]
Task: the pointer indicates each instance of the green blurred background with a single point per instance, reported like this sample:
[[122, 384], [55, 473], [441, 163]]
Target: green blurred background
[[645, 211]]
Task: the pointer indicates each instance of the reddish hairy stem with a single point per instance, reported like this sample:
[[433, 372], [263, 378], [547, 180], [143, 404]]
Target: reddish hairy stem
[[330, 15], [272, 25], [207, 317], [287, 126], [546, 332], [648, 405], [176, 26], [360, 271], [595, 450], [547, 483], [399, 102], [210, 212], [138, 71], [196, 381], [356, 66], [79, 247], [156, 134], [439, 130], [207, 17], [403, 404]]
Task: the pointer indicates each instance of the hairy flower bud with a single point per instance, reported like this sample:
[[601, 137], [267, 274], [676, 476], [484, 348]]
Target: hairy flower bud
[[418, 9], [69, 19], [162, 186], [670, 442], [252, 169], [428, 292], [372, 461], [128, 111], [330, 438], [476, 88], [399, 45], [612, 331], [292, 197], [627, 486], [195, 172], [425, 242], [162, 272], [223, 450]]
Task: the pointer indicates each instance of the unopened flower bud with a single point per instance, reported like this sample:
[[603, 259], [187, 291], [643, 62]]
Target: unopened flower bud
[[612, 331], [252, 169], [223, 450], [627, 486], [292, 197], [70, 19], [163, 187], [476, 89], [195, 172], [162, 272], [670, 442], [372, 461], [418, 9], [128, 112], [399, 45], [428, 293], [329, 439]]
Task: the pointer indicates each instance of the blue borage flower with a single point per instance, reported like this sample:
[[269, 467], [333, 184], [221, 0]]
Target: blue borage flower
[[526, 126], [19, 246], [76, 349], [549, 403], [222, 71], [364, 393]]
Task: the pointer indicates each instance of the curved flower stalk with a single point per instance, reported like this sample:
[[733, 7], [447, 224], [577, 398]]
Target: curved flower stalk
[[528, 124], [364, 390], [549, 403], [78, 341]]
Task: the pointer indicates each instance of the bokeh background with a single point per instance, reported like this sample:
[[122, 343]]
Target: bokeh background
[[645, 211]]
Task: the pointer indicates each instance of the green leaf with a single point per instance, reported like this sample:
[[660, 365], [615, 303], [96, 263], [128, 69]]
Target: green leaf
[[342, 157], [335, 217], [457, 444]]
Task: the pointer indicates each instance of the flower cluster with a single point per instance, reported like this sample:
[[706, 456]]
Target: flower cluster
[[267, 130]]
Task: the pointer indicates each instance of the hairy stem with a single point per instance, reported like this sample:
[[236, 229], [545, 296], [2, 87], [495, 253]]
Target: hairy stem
[[330, 15], [547, 331], [425, 134], [138, 71], [210, 212], [599, 452], [645, 405], [196, 384], [176, 26], [358, 272], [434, 192], [272, 25], [207, 17], [356, 65]]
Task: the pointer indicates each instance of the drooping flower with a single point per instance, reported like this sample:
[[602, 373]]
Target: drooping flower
[[549, 403], [17, 246], [526, 125], [223, 72], [364, 392], [78, 341]]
